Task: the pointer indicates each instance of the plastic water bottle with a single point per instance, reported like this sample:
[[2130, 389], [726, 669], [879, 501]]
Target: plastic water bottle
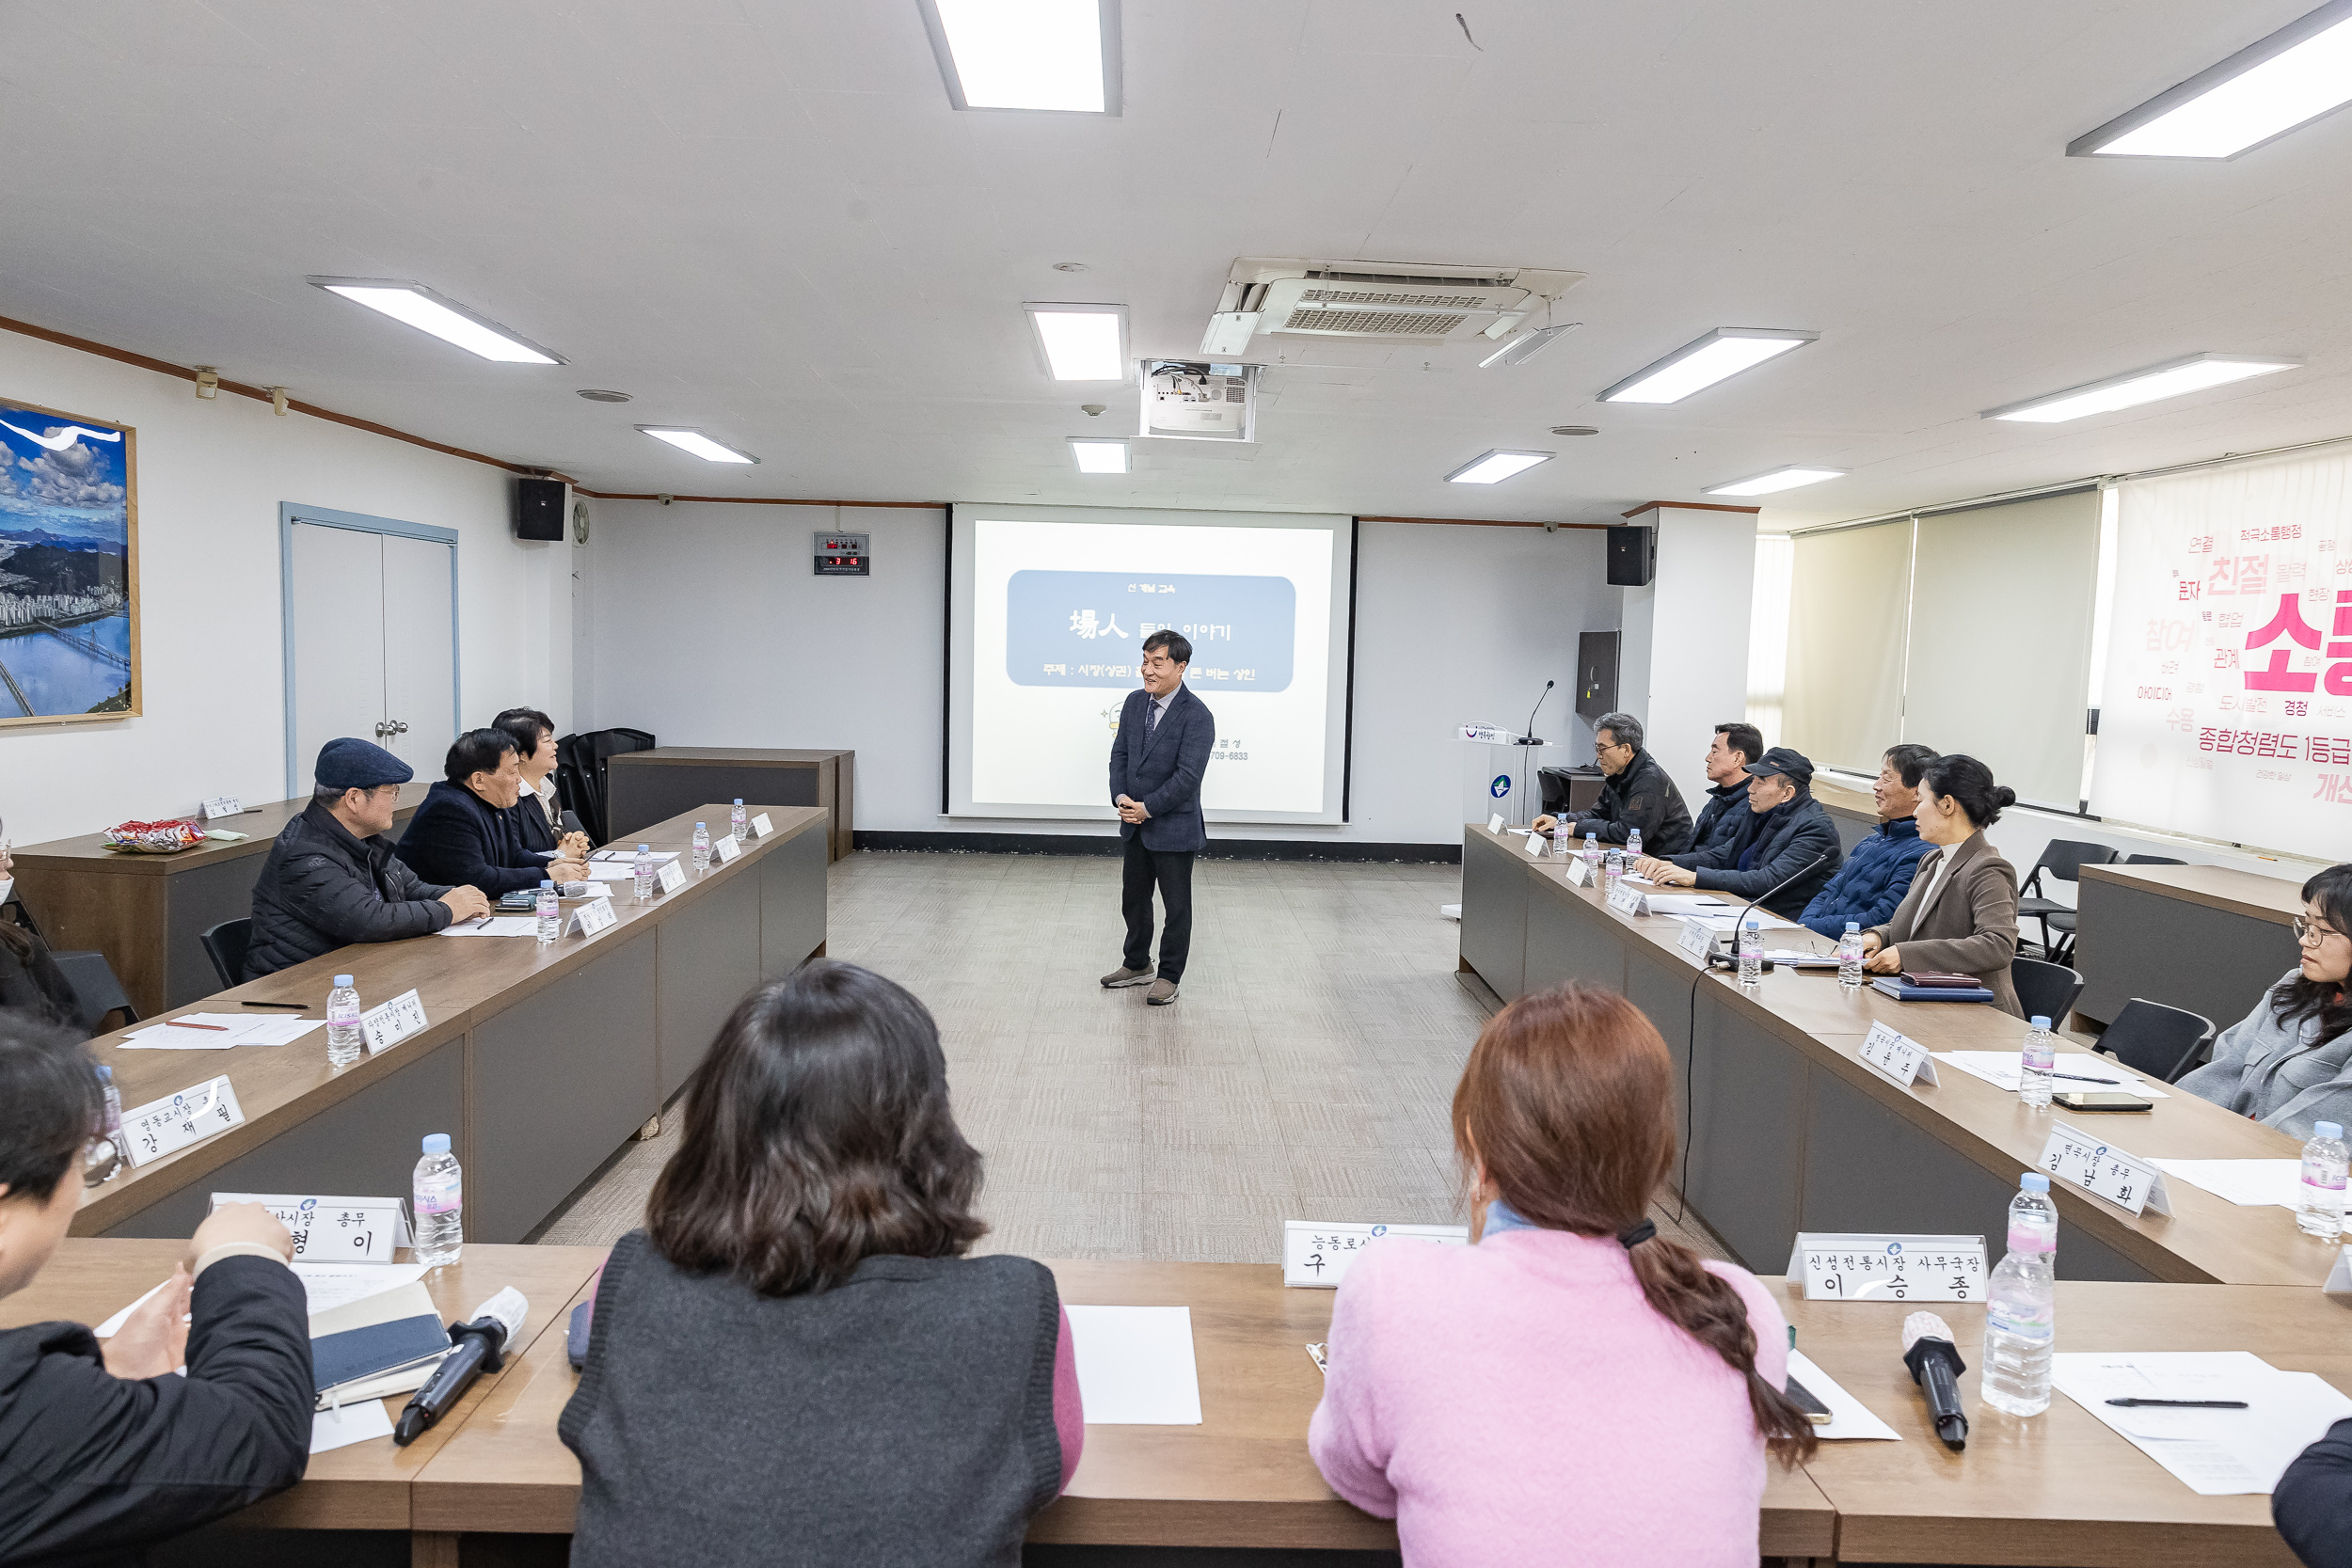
[[701, 848], [1632, 846], [645, 869], [1850, 957], [2021, 1306], [1750, 952], [344, 1040], [105, 1158], [1592, 859], [2319, 1208], [440, 1201], [1561, 842], [2036, 1063], [736, 820], [1611, 869], [551, 914]]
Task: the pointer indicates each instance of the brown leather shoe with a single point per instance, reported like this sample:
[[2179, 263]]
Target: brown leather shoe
[[1125, 977], [1162, 993]]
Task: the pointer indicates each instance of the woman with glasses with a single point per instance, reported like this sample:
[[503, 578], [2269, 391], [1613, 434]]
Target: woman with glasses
[[2288, 1062]]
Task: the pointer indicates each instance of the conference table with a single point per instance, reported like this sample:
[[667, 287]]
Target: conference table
[[2058, 1489], [539, 1062], [2134, 922], [1790, 1131]]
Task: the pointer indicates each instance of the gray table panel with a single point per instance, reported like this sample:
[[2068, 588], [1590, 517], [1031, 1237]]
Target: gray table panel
[[709, 961], [640, 793], [791, 904], [2134, 943], [1663, 990], [195, 900], [1494, 914], [1868, 1169], [565, 1076], [366, 1147], [1747, 1137], [1564, 943]]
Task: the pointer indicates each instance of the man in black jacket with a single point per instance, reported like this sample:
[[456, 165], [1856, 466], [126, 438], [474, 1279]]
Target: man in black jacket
[[1727, 811], [331, 879], [467, 833], [2311, 1505], [1638, 794], [1788, 837], [106, 1450]]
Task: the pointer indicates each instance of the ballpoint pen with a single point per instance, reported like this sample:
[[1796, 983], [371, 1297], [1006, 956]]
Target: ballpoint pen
[[2180, 1405]]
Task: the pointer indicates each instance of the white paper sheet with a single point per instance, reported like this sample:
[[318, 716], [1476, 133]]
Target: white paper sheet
[[113, 1325], [628, 856], [2002, 1069], [1135, 1366], [2248, 1183], [495, 925], [227, 1030], [2215, 1453], [1849, 1417], [1686, 903], [347, 1424], [610, 871], [332, 1285]]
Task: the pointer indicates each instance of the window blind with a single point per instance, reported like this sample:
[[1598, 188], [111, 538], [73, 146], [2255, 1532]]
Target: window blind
[[1842, 705]]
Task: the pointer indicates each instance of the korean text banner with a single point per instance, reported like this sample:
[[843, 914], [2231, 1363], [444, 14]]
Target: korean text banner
[[2227, 705]]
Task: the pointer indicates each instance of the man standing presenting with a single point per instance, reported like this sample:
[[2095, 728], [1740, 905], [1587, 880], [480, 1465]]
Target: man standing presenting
[[1157, 758]]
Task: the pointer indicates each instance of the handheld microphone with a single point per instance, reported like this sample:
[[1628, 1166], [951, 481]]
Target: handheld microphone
[[1531, 739], [1935, 1366], [480, 1347], [1715, 959]]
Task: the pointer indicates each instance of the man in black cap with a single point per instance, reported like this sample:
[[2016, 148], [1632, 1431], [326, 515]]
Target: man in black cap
[[331, 879], [1788, 838]]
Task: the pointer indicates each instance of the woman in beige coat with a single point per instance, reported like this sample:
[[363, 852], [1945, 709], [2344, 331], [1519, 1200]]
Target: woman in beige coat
[[1961, 914]]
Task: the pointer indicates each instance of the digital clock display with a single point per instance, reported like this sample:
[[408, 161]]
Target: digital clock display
[[843, 555]]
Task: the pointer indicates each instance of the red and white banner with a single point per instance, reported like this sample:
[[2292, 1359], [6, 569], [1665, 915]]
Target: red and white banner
[[2227, 707]]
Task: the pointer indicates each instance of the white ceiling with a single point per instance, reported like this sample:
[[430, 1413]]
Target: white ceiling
[[763, 218]]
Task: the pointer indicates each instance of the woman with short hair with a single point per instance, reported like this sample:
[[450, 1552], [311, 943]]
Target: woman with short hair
[[1961, 914], [1573, 1377], [2288, 1062], [794, 1359]]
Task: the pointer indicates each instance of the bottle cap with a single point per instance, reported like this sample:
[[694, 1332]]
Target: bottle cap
[[1751, 925], [2033, 1181], [105, 1074], [2328, 1129], [702, 827], [644, 849], [544, 882], [437, 1143], [2039, 1022], [738, 799], [1854, 927], [342, 979]]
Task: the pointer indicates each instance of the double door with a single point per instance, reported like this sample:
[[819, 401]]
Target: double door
[[371, 647]]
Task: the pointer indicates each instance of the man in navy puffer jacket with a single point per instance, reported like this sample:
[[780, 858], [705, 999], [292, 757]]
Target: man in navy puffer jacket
[[1878, 870]]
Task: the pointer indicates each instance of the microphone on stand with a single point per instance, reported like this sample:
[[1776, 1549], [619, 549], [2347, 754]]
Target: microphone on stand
[[1935, 1366], [1529, 739], [1717, 960]]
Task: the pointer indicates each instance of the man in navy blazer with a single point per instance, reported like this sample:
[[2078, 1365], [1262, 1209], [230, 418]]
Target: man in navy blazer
[[1157, 758]]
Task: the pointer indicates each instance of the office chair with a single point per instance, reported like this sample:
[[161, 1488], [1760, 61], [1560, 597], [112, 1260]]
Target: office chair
[[224, 944], [2062, 858], [2044, 990], [95, 988], [2151, 860], [2157, 1041]]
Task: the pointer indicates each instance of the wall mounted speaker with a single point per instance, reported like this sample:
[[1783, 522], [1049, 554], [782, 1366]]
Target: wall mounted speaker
[[1633, 557], [539, 509]]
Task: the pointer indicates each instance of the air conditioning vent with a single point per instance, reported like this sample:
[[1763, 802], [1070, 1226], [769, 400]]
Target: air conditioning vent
[[1376, 301], [1393, 297], [1371, 324]]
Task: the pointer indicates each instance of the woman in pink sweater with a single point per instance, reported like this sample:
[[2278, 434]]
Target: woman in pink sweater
[[1573, 1386]]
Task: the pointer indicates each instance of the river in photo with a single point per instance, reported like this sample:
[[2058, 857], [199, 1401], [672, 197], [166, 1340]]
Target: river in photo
[[58, 676]]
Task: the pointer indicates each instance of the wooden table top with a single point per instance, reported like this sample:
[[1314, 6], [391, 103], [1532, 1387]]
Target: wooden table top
[[2206, 1240], [367, 1485], [2274, 899], [2058, 1487], [1846, 799], [456, 978], [776, 756], [260, 825]]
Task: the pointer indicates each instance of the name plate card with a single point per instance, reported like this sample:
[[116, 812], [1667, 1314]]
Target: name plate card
[[594, 915], [220, 806], [761, 827], [386, 1025], [1696, 938], [1317, 1254], [1580, 873], [2104, 1170], [1532, 843], [728, 848], [334, 1229], [1627, 899], [1898, 1056], [1888, 1268], [163, 1127], [672, 876], [1494, 823]]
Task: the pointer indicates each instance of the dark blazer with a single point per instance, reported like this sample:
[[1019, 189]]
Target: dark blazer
[[1720, 821], [532, 832], [2311, 1505], [322, 889], [1163, 770], [459, 838], [1970, 928], [1783, 839], [1642, 796], [93, 1466]]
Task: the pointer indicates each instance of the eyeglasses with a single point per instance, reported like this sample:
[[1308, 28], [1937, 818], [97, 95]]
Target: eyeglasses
[[2310, 932]]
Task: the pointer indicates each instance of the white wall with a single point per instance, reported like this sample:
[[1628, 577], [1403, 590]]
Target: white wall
[[210, 476], [743, 646], [1686, 661]]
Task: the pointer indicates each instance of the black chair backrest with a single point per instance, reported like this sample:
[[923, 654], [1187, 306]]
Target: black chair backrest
[[14, 909], [95, 988], [2064, 857], [579, 772], [2152, 860], [2158, 1041], [2044, 990], [224, 944]]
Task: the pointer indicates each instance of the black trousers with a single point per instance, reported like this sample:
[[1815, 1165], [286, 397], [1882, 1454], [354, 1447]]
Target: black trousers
[[1171, 870]]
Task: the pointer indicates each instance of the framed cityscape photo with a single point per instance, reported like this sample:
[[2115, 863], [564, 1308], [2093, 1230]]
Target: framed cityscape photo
[[69, 567]]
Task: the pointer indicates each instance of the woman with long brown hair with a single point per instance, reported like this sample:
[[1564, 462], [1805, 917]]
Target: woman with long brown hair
[[1573, 1376]]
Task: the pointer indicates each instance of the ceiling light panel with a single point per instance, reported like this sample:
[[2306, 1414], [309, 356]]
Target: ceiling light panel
[[1082, 342], [1775, 481], [1054, 55], [1493, 467], [702, 446], [444, 318], [1099, 457], [2174, 378], [2259, 94], [1696, 366]]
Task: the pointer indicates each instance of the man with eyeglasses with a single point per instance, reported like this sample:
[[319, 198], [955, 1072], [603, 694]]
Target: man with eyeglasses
[[1637, 794]]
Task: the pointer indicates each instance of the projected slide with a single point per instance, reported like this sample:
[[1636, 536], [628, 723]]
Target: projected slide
[[1052, 614]]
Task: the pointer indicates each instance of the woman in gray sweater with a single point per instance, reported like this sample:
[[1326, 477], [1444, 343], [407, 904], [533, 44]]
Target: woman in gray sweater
[[2288, 1062]]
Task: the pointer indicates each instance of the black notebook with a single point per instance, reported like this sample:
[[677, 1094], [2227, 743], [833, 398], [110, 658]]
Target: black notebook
[[373, 1351]]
